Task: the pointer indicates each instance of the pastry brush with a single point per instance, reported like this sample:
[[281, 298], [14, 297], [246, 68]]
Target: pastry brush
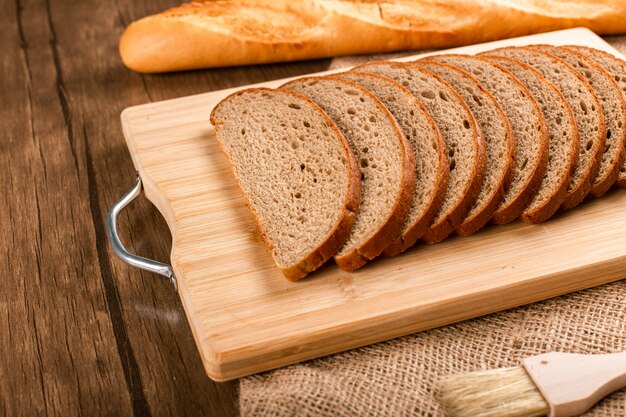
[[554, 384]]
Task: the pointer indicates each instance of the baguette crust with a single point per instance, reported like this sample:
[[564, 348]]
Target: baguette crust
[[390, 228], [620, 74], [218, 33], [341, 229]]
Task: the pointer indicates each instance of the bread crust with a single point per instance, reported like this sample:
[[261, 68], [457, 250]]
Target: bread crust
[[508, 213], [439, 231], [479, 219], [551, 205], [602, 181], [390, 228], [517, 206], [341, 229], [222, 33], [404, 242], [377, 243], [589, 53], [415, 230], [575, 196], [602, 184]]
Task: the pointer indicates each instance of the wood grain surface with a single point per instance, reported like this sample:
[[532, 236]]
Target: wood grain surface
[[83, 334], [247, 318]]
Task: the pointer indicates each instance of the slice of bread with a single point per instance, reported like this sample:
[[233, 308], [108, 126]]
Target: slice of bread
[[296, 171], [587, 111], [614, 110], [563, 146], [499, 143], [385, 158], [529, 128], [464, 141], [617, 69], [430, 154]]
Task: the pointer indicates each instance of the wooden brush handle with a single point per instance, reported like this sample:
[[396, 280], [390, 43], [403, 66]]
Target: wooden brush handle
[[573, 383]]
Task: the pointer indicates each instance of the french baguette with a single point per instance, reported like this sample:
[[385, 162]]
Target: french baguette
[[220, 33]]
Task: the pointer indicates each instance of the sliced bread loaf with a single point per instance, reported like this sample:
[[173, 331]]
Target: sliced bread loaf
[[529, 127], [585, 106], [385, 158], [613, 108], [464, 141], [296, 171], [430, 154], [500, 147], [563, 145], [617, 69]]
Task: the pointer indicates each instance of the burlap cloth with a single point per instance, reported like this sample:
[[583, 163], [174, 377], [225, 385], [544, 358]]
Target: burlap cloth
[[398, 377]]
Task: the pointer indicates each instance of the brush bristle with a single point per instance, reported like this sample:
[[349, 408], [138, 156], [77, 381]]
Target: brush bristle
[[494, 393]]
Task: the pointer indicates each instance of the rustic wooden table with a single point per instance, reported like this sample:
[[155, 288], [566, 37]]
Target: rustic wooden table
[[83, 333]]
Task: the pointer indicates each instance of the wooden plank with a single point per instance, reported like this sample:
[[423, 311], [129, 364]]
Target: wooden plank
[[57, 357], [247, 318], [83, 335], [151, 337]]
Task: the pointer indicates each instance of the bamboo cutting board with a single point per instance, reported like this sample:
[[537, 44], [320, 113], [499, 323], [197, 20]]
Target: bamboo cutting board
[[246, 317]]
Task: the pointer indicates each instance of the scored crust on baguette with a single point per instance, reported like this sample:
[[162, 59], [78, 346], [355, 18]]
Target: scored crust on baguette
[[500, 147], [430, 154], [613, 108], [585, 106], [563, 145], [529, 130], [297, 173], [617, 69], [205, 34], [385, 158], [464, 142]]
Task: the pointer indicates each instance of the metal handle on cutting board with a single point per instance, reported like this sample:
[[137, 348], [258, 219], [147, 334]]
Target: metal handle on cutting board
[[119, 249]]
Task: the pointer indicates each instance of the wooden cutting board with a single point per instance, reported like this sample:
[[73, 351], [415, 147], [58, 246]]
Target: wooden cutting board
[[246, 317]]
